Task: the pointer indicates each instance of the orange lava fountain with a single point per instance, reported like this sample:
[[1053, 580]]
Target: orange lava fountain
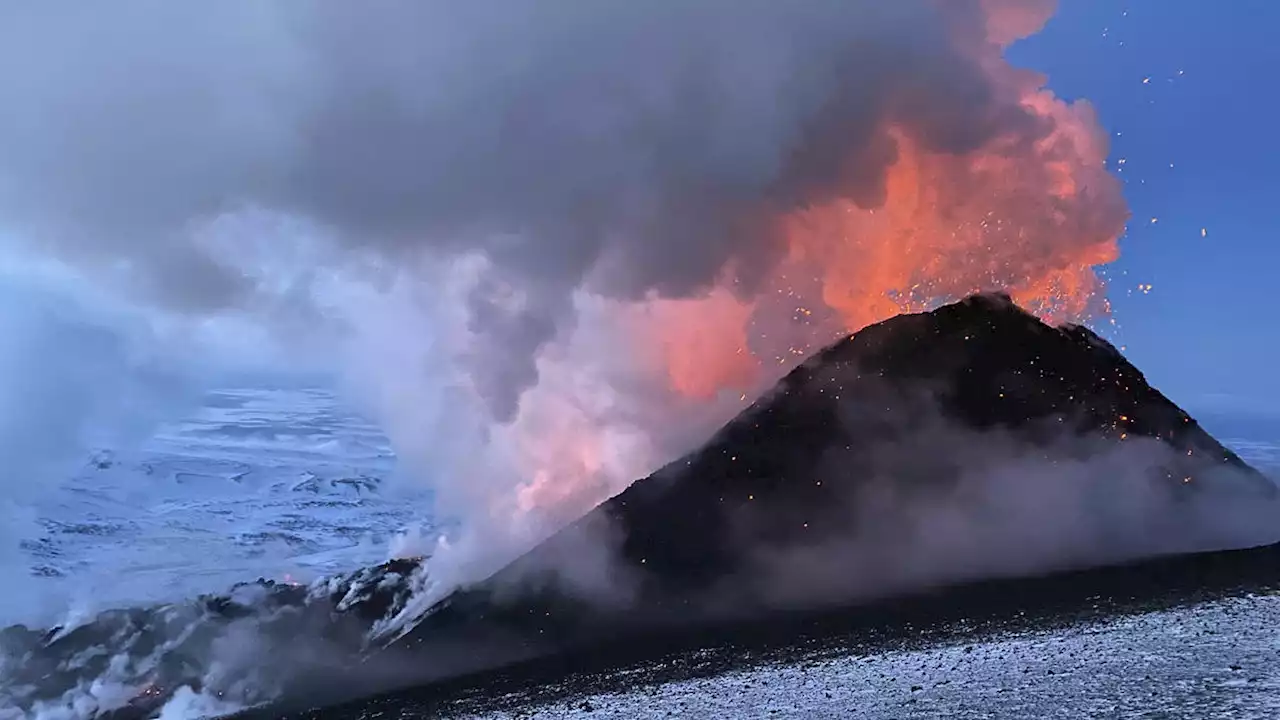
[[1032, 211]]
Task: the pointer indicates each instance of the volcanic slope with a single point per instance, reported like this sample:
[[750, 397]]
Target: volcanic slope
[[820, 492]]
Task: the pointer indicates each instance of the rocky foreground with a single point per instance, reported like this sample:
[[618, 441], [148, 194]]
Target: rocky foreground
[[912, 459]]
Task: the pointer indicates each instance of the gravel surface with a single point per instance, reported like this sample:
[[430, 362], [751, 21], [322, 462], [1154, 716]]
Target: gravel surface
[[1218, 659]]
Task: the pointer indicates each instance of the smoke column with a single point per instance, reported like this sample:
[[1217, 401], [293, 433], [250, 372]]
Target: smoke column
[[558, 241]]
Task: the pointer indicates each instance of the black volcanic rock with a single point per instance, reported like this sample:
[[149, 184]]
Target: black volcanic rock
[[981, 364], [828, 491], [864, 411]]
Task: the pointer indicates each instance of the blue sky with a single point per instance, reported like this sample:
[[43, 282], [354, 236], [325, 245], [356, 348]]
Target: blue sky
[[1207, 332]]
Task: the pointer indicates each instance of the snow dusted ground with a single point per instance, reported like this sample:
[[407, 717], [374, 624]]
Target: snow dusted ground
[[284, 484], [1218, 659]]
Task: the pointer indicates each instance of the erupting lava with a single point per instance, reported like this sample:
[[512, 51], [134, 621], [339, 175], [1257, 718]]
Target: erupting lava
[[646, 212], [1031, 211]]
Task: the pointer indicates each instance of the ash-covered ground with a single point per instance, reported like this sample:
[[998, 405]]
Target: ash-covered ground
[[1216, 659]]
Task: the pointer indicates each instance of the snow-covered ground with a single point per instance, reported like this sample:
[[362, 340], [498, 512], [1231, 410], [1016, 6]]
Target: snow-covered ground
[[283, 484]]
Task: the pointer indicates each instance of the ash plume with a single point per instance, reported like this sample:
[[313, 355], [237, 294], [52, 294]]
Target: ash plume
[[647, 145], [562, 240]]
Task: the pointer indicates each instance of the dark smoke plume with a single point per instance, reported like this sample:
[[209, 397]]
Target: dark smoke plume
[[629, 148]]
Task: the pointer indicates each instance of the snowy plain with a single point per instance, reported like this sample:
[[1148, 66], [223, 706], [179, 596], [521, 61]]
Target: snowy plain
[[283, 484]]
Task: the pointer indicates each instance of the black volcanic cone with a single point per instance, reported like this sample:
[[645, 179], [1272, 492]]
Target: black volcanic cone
[[692, 543], [795, 504]]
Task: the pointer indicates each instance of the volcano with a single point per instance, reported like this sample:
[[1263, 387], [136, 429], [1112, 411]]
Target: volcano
[[920, 455], [815, 495]]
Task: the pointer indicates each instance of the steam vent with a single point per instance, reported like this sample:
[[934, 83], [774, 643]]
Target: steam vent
[[921, 457]]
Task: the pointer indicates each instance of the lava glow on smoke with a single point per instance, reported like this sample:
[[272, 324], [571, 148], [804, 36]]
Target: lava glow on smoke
[[1033, 212], [604, 225], [1034, 215]]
